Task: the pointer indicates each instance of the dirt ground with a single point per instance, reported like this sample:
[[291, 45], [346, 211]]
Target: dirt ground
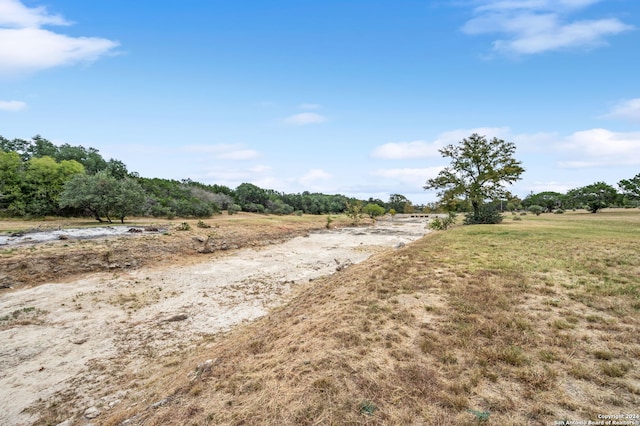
[[84, 322]]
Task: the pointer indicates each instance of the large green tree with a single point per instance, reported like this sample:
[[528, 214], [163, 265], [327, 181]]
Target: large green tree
[[103, 195], [11, 181], [549, 200], [593, 197], [631, 187], [480, 170], [399, 203], [251, 197], [44, 179]]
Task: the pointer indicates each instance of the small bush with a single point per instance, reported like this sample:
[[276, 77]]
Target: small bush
[[517, 218], [559, 211], [233, 209], [442, 224], [487, 215], [184, 226], [201, 224], [535, 209], [329, 220]]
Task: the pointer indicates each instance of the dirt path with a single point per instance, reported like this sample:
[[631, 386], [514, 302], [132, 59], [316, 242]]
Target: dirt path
[[82, 345]]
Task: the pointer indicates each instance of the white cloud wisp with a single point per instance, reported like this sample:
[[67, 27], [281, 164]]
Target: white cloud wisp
[[627, 110], [537, 26], [305, 118], [12, 105]]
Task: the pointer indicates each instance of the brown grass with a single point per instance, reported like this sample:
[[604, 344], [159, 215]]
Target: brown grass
[[529, 322]]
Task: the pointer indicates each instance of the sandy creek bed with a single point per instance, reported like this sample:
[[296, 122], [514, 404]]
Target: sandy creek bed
[[68, 338]]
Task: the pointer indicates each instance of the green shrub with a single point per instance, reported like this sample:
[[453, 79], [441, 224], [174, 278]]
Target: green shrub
[[442, 224], [487, 214], [201, 224], [517, 218], [535, 209], [184, 226], [559, 211], [329, 220]]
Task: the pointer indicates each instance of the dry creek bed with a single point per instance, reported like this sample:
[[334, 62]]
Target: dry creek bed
[[84, 341]]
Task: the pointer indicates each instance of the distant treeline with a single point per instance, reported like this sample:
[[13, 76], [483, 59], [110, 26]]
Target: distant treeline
[[39, 178]]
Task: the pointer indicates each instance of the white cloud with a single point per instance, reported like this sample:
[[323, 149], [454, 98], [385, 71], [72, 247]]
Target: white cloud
[[406, 150], [422, 149], [14, 14], [314, 175], [601, 148], [627, 110], [538, 26], [412, 178], [26, 47], [305, 118], [12, 105]]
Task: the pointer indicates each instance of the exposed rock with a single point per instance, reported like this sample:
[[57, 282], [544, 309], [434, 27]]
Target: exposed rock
[[91, 413], [179, 317], [160, 403], [202, 368], [343, 265]]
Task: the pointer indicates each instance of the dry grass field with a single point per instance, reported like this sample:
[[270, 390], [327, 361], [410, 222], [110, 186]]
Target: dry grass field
[[532, 321], [528, 322]]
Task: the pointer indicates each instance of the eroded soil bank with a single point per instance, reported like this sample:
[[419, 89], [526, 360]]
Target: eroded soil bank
[[71, 350]]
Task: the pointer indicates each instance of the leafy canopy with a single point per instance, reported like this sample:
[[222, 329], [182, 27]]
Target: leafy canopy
[[103, 195], [593, 197], [631, 187], [480, 169]]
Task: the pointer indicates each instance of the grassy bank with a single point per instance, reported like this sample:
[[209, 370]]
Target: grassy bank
[[527, 322]]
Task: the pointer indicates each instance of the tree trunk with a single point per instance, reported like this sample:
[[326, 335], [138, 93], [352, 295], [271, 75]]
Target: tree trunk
[[96, 215], [476, 209]]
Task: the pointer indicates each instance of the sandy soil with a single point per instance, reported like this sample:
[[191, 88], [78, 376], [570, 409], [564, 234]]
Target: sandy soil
[[77, 347]]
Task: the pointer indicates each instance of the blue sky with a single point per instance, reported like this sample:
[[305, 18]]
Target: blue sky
[[337, 96]]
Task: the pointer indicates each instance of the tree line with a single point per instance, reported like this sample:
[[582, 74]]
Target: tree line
[[39, 178], [593, 197]]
